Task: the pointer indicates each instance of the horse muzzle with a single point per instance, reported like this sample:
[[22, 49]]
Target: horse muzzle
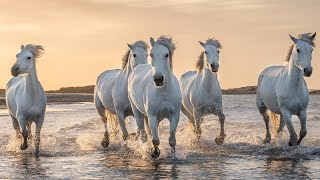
[[15, 71], [158, 80], [307, 72], [214, 68]]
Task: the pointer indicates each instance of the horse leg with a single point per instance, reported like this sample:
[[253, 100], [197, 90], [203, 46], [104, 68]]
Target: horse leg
[[24, 131], [16, 126], [263, 111], [155, 151], [219, 140], [198, 119], [37, 135], [174, 119], [29, 130], [146, 122], [281, 126], [303, 131], [293, 136], [190, 117], [121, 121], [140, 120], [102, 112]]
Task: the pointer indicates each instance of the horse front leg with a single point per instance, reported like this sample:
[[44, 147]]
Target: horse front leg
[[219, 140], [29, 130], [174, 120], [303, 119], [16, 126], [121, 121], [154, 123], [24, 132], [37, 135], [293, 136], [140, 123]]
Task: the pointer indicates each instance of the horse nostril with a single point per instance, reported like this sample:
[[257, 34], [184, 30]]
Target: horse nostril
[[211, 65]]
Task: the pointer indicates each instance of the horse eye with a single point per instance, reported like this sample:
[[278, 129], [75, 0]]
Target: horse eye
[[205, 52], [298, 50], [167, 55], [28, 57], [134, 55], [218, 52], [151, 55]]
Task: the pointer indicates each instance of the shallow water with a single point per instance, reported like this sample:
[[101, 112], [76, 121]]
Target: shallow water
[[71, 135]]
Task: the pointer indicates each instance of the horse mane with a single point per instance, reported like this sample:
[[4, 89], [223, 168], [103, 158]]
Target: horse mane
[[200, 60], [125, 58], [166, 41], [36, 50], [214, 42], [306, 37]]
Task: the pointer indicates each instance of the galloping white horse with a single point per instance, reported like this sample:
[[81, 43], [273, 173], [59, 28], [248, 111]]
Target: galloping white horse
[[154, 92], [25, 97], [111, 90], [201, 92], [283, 91]]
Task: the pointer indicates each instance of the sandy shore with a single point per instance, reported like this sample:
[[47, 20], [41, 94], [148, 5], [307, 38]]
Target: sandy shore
[[58, 98]]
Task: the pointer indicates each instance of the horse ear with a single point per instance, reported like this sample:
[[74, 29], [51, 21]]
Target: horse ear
[[152, 41], [202, 44], [22, 46], [313, 35], [170, 39], [130, 46], [295, 40]]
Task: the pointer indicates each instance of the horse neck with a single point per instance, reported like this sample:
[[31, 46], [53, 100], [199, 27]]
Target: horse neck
[[32, 84], [207, 78], [294, 74]]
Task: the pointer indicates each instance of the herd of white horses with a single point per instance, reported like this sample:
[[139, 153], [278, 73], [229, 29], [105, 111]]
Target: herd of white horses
[[151, 92]]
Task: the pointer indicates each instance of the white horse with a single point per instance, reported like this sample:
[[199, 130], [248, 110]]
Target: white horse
[[201, 92], [154, 92], [283, 91], [111, 90], [25, 97]]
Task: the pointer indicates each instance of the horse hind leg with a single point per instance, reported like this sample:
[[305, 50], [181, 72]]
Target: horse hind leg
[[190, 118], [263, 111], [281, 125], [173, 128], [102, 112], [29, 130]]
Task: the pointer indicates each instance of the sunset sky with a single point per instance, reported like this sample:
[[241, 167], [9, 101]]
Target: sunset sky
[[83, 38]]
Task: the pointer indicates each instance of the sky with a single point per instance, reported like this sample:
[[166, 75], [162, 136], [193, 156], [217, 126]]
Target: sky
[[83, 38]]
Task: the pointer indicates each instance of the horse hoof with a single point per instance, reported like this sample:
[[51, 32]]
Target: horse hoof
[[105, 143], [23, 147], [219, 140], [155, 152], [133, 136]]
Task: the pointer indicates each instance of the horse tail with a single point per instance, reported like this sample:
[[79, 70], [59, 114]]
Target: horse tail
[[113, 123], [275, 122]]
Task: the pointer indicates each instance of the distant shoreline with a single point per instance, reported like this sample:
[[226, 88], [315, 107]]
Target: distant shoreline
[[85, 94]]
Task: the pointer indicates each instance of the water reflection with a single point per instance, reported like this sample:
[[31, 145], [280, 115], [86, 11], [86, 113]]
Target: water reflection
[[28, 167], [288, 168]]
